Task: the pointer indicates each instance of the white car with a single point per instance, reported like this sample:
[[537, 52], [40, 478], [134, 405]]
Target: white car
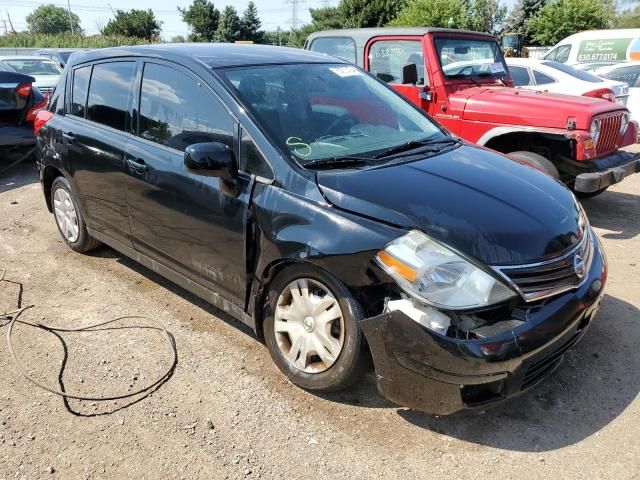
[[549, 76], [629, 73], [45, 71]]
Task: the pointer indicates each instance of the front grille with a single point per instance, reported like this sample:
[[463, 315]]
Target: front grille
[[609, 132], [554, 276]]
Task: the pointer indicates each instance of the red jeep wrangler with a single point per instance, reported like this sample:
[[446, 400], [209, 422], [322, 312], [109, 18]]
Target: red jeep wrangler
[[463, 82]]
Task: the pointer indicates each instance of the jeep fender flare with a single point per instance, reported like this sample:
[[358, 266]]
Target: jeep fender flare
[[504, 130]]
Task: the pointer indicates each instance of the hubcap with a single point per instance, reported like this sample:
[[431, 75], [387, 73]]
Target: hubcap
[[309, 325], [66, 215]]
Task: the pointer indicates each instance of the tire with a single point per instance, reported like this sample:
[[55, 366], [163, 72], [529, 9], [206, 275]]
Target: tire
[[585, 195], [318, 374], [537, 161], [69, 218]]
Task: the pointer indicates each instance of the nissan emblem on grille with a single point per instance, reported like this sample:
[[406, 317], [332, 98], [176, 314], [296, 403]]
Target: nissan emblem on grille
[[579, 267]]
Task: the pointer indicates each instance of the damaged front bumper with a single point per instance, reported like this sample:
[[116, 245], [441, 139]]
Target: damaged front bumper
[[421, 369], [607, 171]]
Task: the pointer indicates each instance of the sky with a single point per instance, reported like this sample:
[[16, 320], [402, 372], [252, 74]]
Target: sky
[[92, 13]]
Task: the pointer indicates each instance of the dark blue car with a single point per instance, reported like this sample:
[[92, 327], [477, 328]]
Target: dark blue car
[[313, 203]]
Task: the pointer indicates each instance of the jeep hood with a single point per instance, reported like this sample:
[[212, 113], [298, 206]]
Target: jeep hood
[[474, 200], [511, 106]]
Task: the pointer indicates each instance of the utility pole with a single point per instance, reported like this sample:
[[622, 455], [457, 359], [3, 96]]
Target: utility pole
[[69, 11]]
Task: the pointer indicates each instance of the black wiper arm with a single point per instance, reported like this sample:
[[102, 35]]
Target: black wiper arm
[[415, 144], [342, 161]]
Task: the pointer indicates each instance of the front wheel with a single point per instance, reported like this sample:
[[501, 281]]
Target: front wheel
[[536, 161], [311, 330]]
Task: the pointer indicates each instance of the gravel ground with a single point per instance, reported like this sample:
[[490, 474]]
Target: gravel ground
[[226, 412]]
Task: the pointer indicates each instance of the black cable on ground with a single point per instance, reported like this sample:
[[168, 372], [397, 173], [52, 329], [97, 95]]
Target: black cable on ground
[[21, 159], [13, 318]]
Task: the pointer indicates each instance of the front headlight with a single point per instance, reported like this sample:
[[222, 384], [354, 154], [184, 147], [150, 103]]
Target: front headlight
[[624, 123], [595, 130], [436, 275]]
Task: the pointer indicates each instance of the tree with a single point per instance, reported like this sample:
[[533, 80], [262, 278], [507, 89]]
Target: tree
[[203, 18], [432, 13], [250, 24], [629, 18], [484, 16], [51, 19], [518, 19], [134, 23], [326, 18], [370, 13], [562, 18], [229, 27]]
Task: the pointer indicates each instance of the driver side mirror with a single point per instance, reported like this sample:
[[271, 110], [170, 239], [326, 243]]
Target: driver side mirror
[[214, 159], [409, 74]]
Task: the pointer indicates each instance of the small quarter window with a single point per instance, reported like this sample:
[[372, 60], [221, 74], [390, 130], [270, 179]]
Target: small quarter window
[[252, 159], [109, 90], [339, 47], [387, 57], [541, 78], [520, 76], [79, 90]]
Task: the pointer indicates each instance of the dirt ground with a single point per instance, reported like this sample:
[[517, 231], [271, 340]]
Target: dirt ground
[[227, 412]]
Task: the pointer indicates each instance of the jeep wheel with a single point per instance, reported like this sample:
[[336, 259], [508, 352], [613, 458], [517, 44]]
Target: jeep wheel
[[536, 161]]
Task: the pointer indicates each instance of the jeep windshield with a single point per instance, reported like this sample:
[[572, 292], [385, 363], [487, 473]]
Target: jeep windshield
[[463, 57], [333, 115]]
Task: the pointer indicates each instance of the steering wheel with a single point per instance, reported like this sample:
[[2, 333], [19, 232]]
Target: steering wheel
[[467, 71], [347, 120]]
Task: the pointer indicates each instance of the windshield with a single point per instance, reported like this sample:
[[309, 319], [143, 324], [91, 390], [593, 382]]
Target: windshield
[[324, 111], [33, 66], [462, 57], [574, 72]]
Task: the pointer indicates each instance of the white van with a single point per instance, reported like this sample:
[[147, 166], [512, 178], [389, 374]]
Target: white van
[[597, 46]]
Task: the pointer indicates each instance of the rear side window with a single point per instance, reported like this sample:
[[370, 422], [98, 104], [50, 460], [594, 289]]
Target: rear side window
[[79, 90], [520, 76], [340, 47], [111, 84], [541, 78], [387, 57], [177, 111]]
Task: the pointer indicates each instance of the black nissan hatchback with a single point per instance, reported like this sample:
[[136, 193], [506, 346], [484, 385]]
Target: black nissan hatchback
[[313, 203]]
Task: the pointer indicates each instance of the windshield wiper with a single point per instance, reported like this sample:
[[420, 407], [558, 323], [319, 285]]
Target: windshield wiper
[[465, 77], [342, 161], [415, 144]]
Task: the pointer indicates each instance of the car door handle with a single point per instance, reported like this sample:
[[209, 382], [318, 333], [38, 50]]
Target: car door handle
[[69, 137], [137, 165]]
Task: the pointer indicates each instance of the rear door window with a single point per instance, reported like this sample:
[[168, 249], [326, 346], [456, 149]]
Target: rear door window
[[79, 89], [339, 47], [178, 111], [520, 76], [541, 78], [109, 92], [387, 57]]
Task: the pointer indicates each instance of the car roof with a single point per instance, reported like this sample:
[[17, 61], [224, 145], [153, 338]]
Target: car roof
[[214, 55], [24, 57], [362, 35]]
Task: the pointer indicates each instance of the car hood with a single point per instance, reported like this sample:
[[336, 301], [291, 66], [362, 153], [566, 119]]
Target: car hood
[[505, 105], [46, 81], [483, 204]]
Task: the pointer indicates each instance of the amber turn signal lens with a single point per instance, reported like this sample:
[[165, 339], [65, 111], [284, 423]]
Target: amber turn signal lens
[[400, 268]]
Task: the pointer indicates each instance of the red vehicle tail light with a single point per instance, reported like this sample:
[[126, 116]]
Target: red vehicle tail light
[[41, 118], [33, 111], [603, 93], [24, 90]]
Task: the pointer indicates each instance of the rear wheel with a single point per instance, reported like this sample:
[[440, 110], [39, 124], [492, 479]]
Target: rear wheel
[[311, 330], [536, 161], [69, 218]]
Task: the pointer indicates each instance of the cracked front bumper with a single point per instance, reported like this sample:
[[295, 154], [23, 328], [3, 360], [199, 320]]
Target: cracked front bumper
[[421, 369]]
